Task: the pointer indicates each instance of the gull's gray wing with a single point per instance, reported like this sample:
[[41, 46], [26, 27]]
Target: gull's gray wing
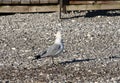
[[52, 50]]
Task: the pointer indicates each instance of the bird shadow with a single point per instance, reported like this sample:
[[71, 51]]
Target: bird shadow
[[114, 57], [86, 60], [94, 13], [76, 60], [9, 14], [110, 13]]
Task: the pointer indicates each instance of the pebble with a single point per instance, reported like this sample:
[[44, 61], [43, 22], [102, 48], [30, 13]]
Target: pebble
[[13, 48]]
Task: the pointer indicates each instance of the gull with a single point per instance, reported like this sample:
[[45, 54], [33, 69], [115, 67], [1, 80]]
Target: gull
[[54, 50]]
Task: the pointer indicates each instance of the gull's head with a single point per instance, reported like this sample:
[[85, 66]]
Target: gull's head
[[58, 37], [58, 34]]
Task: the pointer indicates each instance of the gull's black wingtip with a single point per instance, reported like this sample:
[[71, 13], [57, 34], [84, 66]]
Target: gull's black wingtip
[[37, 57]]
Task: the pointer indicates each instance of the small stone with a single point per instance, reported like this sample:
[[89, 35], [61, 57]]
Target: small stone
[[1, 64], [77, 65], [59, 24], [27, 50], [47, 33], [16, 63], [41, 73], [118, 30], [13, 48], [25, 39], [99, 16], [95, 82], [73, 20], [50, 15], [89, 70], [88, 35], [30, 57]]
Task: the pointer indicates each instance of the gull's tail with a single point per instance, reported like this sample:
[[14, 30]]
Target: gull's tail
[[37, 57]]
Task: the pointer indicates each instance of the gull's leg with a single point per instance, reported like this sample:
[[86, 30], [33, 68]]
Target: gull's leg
[[53, 60]]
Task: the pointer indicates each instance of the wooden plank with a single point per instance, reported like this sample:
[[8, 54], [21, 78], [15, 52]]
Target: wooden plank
[[93, 7], [25, 1], [48, 1], [107, 2], [19, 9], [50, 8], [44, 1], [16, 2], [35, 1], [6, 1], [92, 2], [28, 1], [53, 1]]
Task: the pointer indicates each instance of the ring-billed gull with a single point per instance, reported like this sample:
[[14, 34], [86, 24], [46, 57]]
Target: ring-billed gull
[[54, 49]]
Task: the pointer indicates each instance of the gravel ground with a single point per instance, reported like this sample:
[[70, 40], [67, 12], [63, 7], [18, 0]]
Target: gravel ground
[[91, 54]]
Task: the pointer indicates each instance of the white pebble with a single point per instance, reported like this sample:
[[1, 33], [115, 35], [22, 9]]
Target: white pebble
[[73, 20], [59, 24], [119, 30], [30, 57], [99, 16], [13, 48]]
